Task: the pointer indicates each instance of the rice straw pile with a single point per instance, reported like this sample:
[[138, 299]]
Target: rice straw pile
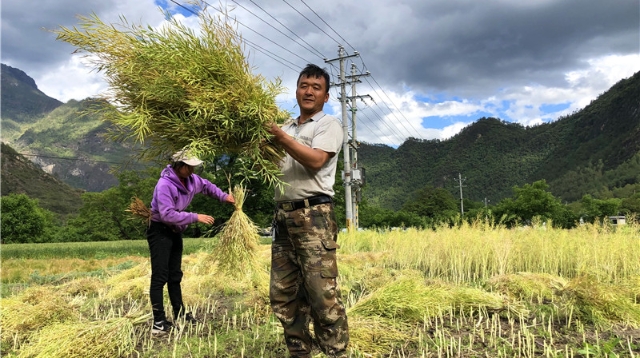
[[114, 337], [235, 250], [20, 317], [174, 88]]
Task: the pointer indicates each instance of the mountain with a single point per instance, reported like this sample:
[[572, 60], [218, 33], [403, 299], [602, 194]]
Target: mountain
[[21, 176], [591, 150], [22, 101], [67, 140]]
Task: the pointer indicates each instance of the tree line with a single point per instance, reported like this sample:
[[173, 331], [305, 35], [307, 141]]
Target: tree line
[[104, 216]]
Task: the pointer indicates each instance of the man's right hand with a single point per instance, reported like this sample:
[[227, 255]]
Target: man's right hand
[[205, 219]]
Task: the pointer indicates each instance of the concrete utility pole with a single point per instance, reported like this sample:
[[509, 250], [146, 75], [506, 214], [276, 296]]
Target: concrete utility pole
[[460, 180], [342, 56], [357, 175]]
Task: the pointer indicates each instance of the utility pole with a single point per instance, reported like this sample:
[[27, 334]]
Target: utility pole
[[460, 180], [357, 177], [342, 56], [486, 209]]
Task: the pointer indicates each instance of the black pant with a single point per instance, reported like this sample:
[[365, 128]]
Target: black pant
[[165, 247]]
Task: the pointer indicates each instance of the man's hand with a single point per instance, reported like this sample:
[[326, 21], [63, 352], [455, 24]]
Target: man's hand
[[205, 219], [310, 158], [278, 133]]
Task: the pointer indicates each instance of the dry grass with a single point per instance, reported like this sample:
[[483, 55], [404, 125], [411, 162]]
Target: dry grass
[[396, 308], [114, 337]]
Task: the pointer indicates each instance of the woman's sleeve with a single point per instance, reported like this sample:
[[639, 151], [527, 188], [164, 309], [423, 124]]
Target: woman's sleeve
[[210, 189], [168, 212]]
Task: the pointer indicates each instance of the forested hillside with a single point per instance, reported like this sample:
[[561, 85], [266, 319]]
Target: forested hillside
[[22, 101], [592, 150], [66, 140], [72, 143], [21, 176]]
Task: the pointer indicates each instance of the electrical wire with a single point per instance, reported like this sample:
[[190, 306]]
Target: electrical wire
[[306, 18], [321, 19], [264, 37], [255, 46], [395, 130], [283, 25], [66, 158], [386, 95]]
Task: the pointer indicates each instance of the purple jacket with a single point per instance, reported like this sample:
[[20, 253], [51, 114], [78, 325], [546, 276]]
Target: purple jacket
[[170, 198]]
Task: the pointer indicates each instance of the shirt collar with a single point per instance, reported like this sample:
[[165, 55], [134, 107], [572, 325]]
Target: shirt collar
[[315, 117]]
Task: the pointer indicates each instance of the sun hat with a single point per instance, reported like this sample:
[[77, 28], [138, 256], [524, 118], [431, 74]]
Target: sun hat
[[186, 158]]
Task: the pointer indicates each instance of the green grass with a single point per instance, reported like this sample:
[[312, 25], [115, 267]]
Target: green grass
[[87, 250]]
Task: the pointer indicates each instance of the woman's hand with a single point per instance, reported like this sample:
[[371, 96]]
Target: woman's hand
[[205, 219], [230, 199]]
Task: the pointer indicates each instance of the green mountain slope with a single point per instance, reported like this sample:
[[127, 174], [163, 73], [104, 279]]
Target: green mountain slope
[[66, 140], [72, 141], [493, 156], [591, 151], [21, 176], [22, 101]]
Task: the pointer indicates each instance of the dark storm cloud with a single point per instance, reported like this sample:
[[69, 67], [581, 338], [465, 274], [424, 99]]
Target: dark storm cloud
[[480, 46], [449, 61], [26, 41]]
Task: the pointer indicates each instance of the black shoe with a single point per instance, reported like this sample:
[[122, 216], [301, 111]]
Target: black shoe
[[161, 327]]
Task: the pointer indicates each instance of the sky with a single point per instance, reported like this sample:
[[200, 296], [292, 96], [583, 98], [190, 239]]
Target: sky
[[429, 67]]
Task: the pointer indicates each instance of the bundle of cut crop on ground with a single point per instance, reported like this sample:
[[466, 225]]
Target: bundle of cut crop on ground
[[174, 88], [114, 337], [235, 250]]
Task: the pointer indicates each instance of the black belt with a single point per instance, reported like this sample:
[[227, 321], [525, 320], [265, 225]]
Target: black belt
[[305, 203]]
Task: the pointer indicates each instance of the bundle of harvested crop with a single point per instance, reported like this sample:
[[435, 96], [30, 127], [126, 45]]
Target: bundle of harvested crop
[[114, 337], [235, 251], [140, 210], [174, 88]]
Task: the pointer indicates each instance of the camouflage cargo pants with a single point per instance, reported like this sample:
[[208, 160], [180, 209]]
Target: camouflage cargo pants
[[303, 285]]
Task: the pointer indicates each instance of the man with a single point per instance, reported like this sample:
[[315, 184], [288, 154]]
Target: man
[[304, 269], [173, 193]]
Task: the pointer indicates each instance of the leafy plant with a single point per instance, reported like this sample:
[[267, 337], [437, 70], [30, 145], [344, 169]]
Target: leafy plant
[[176, 89]]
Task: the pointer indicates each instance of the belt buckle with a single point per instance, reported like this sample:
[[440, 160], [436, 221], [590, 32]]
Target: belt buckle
[[288, 206]]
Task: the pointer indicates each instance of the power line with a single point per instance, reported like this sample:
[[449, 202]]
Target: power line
[[67, 158], [283, 25], [264, 37], [397, 131], [250, 43], [383, 91], [381, 119], [321, 19], [306, 18]]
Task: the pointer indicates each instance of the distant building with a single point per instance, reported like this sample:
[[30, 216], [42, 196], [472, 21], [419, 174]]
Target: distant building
[[618, 220]]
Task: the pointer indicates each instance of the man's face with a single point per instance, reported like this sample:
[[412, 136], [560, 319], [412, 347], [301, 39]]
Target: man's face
[[311, 94]]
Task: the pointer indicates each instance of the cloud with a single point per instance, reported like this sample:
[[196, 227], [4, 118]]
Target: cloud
[[435, 66]]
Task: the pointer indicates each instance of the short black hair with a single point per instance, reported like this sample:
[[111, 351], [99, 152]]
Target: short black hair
[[315, 71], [177, 165]]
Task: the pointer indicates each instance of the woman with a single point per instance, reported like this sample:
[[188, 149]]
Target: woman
[[173, 193]]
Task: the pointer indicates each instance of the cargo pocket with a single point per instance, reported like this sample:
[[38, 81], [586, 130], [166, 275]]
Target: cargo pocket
[[329, 263]]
